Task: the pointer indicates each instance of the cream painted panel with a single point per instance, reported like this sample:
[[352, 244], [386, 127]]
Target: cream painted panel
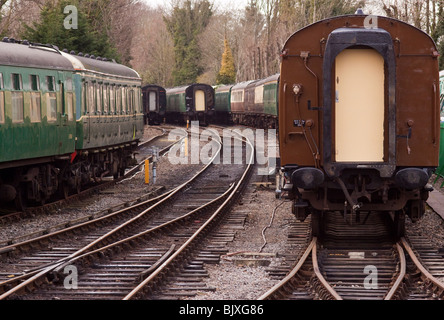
[[152, 101], [359, 108], [199, 100]]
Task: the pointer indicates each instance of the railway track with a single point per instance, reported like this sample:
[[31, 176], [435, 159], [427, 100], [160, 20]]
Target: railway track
[[143, 249], [351, 264], [145, 149]]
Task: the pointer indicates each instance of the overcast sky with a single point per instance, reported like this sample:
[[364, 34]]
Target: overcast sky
[[224, 5], [218, 4]]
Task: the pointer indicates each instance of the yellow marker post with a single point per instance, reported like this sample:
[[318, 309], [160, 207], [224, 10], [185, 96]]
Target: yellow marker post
[[186, 147], [147, 171]]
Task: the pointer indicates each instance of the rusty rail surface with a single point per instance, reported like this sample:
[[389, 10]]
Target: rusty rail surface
[[21, 282], [138, 291], [429, 277]]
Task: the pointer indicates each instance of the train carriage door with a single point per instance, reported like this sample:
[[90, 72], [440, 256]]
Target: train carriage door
[[63, 113], [359, 106], [199, 100]]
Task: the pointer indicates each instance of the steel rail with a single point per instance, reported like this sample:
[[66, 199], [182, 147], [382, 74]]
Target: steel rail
[[402, 273], [270, 293], [161, 152], [143, 233], [190, 240], [17, 245], [32, 272], [14, 246], [321, 278], [91, 219], [37, 274], [420, 267], [21, 214]]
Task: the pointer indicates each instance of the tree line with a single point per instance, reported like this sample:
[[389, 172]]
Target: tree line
[[195, 40]]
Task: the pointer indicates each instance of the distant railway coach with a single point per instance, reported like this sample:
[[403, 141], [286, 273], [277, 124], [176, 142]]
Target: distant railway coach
[[240, 99], [192, 102], [266, 102], [358, 119], [222, 106], [154, 103], [65, 121], [253, 103]]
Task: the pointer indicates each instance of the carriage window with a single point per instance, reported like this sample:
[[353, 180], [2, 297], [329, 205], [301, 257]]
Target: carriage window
[[105, 98], [124, 99], [34, 80], [112, 100], [50, 83], [137, 100], [99, 90], [237, 96], [35, 109], [119, 99], [69, 106], [17, 81], [51, 99], [51, 106], [131, 100], [17, 98], [17, 106], [90, 98]]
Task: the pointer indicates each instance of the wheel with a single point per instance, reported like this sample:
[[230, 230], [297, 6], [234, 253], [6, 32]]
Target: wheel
[[399, 224], [115, 167], [78, 186], [317, 223], [64, 190], [20, 200]]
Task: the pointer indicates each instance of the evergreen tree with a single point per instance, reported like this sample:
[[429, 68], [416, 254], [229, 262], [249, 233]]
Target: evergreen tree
[[185, 25], [51, 30], [227, 72]]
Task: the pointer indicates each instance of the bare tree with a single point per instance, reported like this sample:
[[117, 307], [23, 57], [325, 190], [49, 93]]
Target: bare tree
[[423, 14], [15, 13], [152, 48], [211, 44]]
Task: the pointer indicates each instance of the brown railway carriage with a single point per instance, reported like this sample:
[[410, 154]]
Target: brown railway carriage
[[359, 117], [242, 96]]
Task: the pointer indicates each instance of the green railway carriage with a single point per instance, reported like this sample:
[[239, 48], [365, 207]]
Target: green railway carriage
[[254, 103], [32, 124], [190, 103], [263, 112], [271, 85], [111, 107], [154, 103], [176, 100], [222, 105], [65, 121]]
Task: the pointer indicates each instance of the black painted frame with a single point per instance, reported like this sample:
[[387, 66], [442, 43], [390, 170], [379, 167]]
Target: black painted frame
[[381, 41]]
